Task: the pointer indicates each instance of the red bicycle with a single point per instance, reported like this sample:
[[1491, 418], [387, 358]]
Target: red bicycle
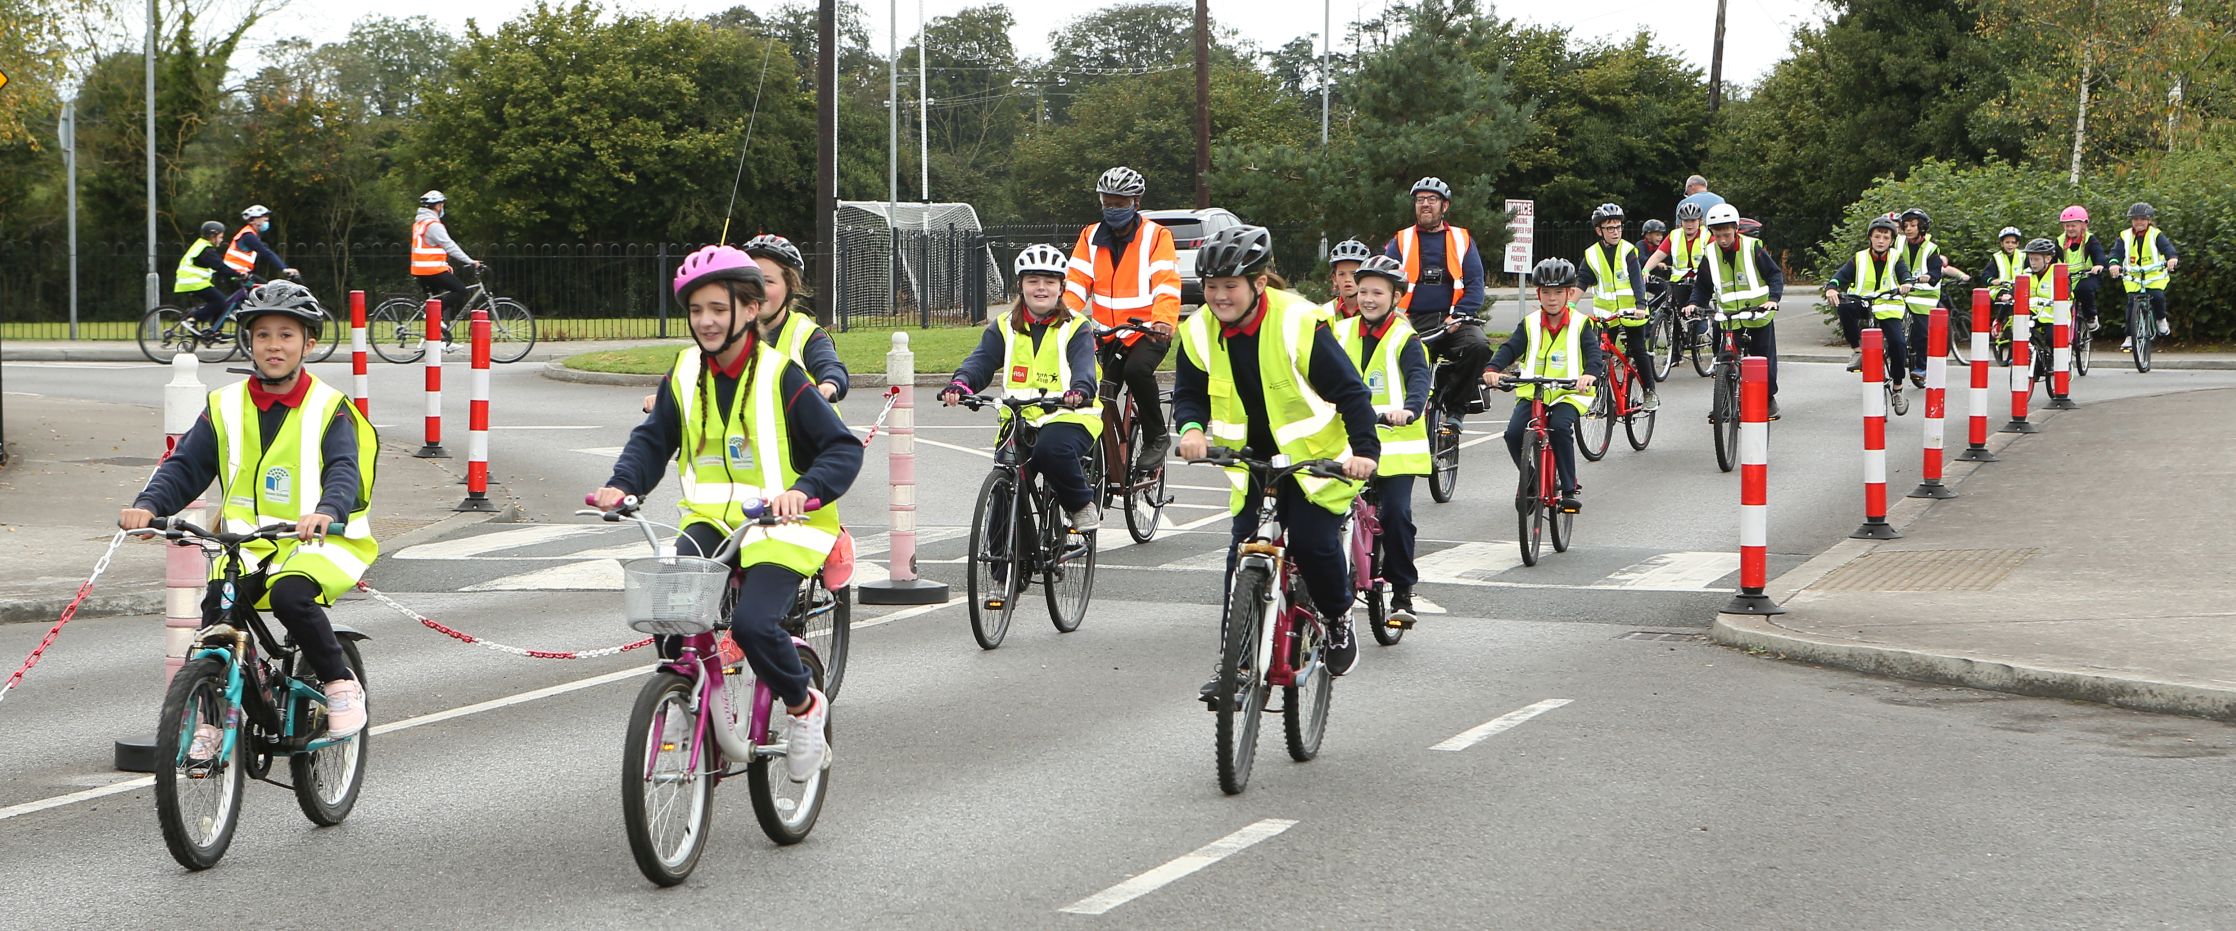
[[1623, 399], [1141, 490], [1537, 499]]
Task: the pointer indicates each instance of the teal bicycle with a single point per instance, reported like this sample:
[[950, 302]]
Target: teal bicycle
[[257, 697]]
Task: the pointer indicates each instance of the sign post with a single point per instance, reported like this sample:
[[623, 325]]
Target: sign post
[[1521, 250]]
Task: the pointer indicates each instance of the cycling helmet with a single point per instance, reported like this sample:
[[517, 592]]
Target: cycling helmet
[[254, 211], [2075, 212], [714, 263], [1882, 223], [1688, 212], [1723, 215], [1349, 250], [772, 246], [2009, 232], [1382, 266], [2142, 211], [1237, 251], [1606, 212], [1122, 181], [1433, 185], [2041, 247], [1553, 273], [1915, 213], [212, 226], [281, 297], [1653, 226], [1749, 226], [1041, 259], [431, 198]]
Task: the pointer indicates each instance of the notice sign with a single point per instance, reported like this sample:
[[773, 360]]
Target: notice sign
[[1520, 253]]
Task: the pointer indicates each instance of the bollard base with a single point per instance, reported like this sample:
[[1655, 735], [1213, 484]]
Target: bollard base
[[477, 503], [1877, 529], [1977, 454], [2063, 404], [2019, 426], [492, 480], [1932, 490], [136, 755], [901, 592], [1755, 603], [431, 452]]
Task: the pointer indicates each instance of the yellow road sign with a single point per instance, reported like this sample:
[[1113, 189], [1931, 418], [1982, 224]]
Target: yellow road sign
[[3, 79]]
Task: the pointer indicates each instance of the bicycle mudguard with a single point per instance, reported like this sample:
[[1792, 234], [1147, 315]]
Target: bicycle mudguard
[[346, 632]]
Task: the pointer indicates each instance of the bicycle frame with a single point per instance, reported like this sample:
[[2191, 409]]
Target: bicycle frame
[[1266, 547], [1366, 528], [1119, 409]]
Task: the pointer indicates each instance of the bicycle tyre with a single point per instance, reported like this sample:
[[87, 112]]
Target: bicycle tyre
[[1960, 336], [829, 635], [331, 333], [395, 328], [2142, 328], [512, 331], [1304, 709], [667, 697], [2084, 348], [1719, 412], [1662, 342], [1563, 526], [1638, 435], [1067, 572], [1378, 602], [1703, 351], [995, 575], [197, 696], [164, 332], [1235, 733], [327, 781], [1144, 498], [1595, 431], [786, 819], [1444, 456], [1528, 509]]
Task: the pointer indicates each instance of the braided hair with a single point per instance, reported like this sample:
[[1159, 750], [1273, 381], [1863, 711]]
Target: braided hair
[[739, 293]]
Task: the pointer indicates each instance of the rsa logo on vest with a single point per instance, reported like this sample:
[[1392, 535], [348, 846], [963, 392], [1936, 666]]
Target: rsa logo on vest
[[737, 450], [279, 485]]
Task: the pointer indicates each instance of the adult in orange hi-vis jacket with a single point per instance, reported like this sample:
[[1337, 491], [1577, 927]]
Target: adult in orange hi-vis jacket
[[1124, 270], [1446, 273]]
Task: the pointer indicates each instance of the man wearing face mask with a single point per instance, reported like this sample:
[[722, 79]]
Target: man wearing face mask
[[248, 244], [1124, 270]]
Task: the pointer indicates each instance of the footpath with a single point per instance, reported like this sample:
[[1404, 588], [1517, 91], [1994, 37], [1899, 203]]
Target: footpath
[[73, 463], [2090, 563]]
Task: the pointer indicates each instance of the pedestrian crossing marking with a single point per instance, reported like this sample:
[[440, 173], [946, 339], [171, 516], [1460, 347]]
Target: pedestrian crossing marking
[[1468, 562], [596, 575], [1690, 571]]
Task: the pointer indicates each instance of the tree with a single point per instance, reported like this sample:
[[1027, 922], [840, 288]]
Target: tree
[[1617, 122], [387, 64], [976, 113]]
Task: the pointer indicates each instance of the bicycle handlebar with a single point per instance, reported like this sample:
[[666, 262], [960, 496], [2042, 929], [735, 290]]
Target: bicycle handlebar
[[982, 401], [1132, 325], [1266, 470], [179, 528], [1512, 382]]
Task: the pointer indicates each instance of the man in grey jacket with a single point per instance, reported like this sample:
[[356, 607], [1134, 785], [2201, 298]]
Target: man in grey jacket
[[432, 250]]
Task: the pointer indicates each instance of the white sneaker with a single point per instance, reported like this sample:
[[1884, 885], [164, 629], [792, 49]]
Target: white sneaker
[[1653, 402], [2166, 328], [2128, 344], [805, 750], [207, 738], [1085, 520], [345, 708]]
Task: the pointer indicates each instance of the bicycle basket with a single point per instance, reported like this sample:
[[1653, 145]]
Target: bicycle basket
[[672, 595]]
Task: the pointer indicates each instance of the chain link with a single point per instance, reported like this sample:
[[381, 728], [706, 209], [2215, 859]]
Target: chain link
[[70, 611], [463, 637]]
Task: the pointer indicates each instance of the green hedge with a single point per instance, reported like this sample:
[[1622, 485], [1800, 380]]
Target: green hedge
[[2196, 207]]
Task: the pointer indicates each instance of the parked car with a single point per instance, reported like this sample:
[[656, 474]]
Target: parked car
[[1189, 229]]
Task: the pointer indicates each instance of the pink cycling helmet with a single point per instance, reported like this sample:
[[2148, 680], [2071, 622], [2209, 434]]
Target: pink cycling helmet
[[2075, 212], [714, 263]]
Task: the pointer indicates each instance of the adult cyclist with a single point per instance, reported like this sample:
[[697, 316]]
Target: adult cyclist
[[1737, 273], [1124, 270], [1444, 275], [432, 250], [248, 245], [1611, 274], [2143, 243]]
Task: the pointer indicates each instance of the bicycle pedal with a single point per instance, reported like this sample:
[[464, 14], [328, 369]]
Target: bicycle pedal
[[994, 604]]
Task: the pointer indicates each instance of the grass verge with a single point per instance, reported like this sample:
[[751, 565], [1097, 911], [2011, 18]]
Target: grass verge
[[938, 350]]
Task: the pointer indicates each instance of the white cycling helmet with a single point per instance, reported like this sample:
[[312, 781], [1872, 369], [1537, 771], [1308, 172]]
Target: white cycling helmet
[[1122, 181], [1723, 215], [1041, 259], [431, 198], [254, 211]]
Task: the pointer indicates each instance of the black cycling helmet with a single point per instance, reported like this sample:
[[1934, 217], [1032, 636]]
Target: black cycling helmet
[[1689, 212], [281, 297], [1553, 273], [1237, 251], [1653, 226], [1349, 250], [1606, 212], [2142, 211], [1382, 266], [212, 226], [1433, 185], [772, 246], [1882, 223], [1915, 213], [2041, 247]]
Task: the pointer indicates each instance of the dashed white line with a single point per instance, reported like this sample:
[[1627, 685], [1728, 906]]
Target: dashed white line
[[1178, 868], [983, 454], [1504, 722]]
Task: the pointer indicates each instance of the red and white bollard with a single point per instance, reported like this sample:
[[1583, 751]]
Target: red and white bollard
[[360, 379], [1936, 406], [1983, 320], [2061, 341], [902, 587], [186, 569], [1875, 526], [1754, 490], [477, 423], [431, 348], [2022, 359]]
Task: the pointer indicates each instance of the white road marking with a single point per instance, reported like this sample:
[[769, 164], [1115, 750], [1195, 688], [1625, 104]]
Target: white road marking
[[983, 454], [1504, 722], [1178, 868], [1196, 507], [602, 452], [552, 426], [1484, 439], [1670, 572], [1422, 605], [596, 575], [906, 613], [529, 535], [1200, 521], [1468, 562], [1222, 489]]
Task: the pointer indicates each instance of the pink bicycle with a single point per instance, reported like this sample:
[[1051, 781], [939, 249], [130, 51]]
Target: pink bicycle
[[1364, 533]]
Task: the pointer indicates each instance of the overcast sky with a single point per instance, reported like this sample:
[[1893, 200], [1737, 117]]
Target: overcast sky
[[1756, 30]]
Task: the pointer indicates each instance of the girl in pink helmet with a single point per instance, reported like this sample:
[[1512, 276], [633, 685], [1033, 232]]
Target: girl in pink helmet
[[2084, 260]]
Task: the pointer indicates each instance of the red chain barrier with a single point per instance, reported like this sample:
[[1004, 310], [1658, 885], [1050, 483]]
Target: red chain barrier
[[68, 611], [463, 637]]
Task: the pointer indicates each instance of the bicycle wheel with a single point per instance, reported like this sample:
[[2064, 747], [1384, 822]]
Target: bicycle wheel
[[1723, 419], [512, 330], [395, 328], [787, 810], [331, 333], [1702, 348], [1376, 596], [1528, 510], [1960, 335], [827, 628], [1067, 572], [1304, 706], [1662, 342], [1242, 693], [1638, 426], [327, 779], [1595, 431], [1145, 498], [666, 804], [198, 802], [165, 332], [2142, 328], [1444, 455], [996, 566], [2084, 347]]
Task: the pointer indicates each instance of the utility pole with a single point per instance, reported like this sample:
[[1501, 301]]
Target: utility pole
[[826, 162], [155, 280], [1203, 104], [923, 116], [69, 142], [1327, 29], [892, 144], [1716, 64]]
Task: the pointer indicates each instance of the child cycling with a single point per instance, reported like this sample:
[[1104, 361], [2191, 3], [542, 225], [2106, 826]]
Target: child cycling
[[1879, 272], [2007, 259], [1041, 349], [1343, 265], [1554, 342], [1612, 273], [2084, 260], [746, 428], [283, 447], [1388, 354], [785, 321], [2040, 255], [2145, 247]]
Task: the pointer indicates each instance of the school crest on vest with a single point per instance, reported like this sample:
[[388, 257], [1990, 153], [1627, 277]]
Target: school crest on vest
[[279, 485]]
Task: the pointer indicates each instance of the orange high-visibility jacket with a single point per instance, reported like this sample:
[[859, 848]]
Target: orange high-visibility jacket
[[426, 257], [1455, 256], [1145, 282]]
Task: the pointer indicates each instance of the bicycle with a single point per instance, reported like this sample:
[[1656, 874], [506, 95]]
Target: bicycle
[[675, 752], [1537, 498], [2142, 324], [1253, 658], [1002, 561], [1363, 540], [1723, 410], [1623, 399], [1141, 490], [1444, 434], [166, 331], [263, 705], [1664, 342], [398, 327], [1691, 328]]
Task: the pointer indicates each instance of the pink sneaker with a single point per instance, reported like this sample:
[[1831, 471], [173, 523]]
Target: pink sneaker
[[207, 738], [345, 708]]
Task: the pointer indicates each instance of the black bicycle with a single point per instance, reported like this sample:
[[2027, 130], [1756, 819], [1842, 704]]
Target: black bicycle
[[1444, 433], [165, 331], [397, 328], [1142, 490], [1018, 531]]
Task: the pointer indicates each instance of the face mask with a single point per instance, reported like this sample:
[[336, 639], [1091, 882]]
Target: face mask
[[263, 226], [1117, 216]]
